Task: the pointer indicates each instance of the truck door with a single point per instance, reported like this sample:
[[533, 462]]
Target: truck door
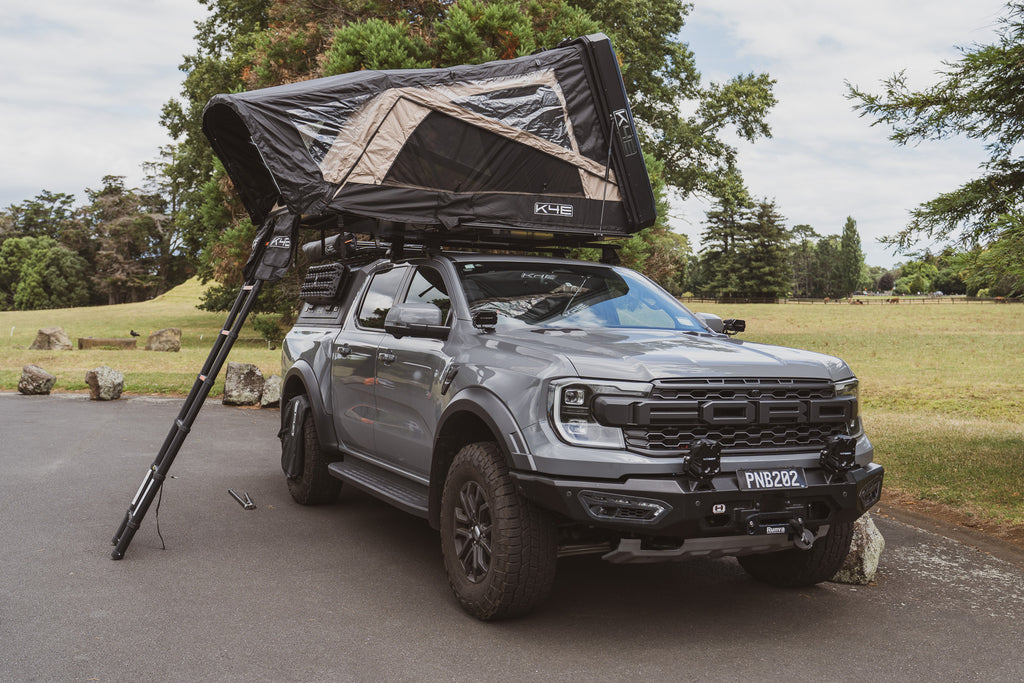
[[354, 362], [410, 372]]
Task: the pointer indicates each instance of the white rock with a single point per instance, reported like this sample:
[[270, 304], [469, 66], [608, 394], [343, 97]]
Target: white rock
[[865, 551], [243, 384], [105, 383], [271, 397]]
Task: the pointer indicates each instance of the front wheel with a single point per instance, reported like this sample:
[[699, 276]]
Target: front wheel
[[795, 568], [499, 549]]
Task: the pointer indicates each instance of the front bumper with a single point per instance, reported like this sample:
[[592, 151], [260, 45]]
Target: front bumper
[[681, 508]]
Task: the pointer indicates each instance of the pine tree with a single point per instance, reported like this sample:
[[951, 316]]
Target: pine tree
[[764, 262], [851, 260]]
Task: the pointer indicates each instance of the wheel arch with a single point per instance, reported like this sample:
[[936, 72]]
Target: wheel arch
[[300, 379], [475, 415]]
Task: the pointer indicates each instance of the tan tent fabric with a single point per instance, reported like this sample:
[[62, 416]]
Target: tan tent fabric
[[368, 146]]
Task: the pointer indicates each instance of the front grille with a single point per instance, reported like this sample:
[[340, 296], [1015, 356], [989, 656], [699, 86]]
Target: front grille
[[747, 439], [741, 389]]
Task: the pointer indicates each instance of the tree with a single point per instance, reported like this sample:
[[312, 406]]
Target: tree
[[137, 253], [802, 259], [997, 270], [39, 273], [720, 260], [747, 252], [223, 44], [766, 272], [849, 273], [886, 281], [916, 277], [978, 96], [827, 257], [248, 44]]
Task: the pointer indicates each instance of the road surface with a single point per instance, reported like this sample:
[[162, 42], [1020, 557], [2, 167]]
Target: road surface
[[355, 591]]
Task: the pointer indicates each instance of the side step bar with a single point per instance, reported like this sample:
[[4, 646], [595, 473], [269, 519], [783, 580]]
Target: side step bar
[[390, 487]]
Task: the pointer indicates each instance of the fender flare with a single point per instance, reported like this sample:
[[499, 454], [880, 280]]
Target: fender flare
[[301, 373], [498, 419], [493, 412]]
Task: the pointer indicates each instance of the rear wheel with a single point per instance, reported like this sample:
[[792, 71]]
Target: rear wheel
[[314, 485], [794, 568], [499, 549]]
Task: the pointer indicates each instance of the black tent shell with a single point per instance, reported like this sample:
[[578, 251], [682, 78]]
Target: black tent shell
[[539, 144]]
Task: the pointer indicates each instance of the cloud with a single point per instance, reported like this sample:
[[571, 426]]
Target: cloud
[[83, 90], [824, 162]]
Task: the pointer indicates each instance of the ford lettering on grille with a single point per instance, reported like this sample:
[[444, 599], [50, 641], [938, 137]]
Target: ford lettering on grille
[[723, 413]]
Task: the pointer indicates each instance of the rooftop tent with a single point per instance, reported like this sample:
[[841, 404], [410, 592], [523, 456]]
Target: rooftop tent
[[544, 143]]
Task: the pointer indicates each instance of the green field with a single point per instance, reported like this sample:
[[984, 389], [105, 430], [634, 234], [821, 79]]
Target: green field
[[941, 384], [942, 391], [145, 372]]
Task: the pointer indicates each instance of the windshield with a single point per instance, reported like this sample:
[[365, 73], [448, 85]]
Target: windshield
[[571, 295]]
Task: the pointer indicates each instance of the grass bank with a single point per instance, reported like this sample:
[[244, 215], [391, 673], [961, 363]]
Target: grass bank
[[941, 386], [145, 372]]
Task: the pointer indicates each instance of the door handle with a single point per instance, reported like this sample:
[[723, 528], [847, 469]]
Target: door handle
[[344, 350], [386, 357]]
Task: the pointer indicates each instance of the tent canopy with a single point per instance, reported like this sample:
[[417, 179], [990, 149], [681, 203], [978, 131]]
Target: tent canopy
[[541, 144]]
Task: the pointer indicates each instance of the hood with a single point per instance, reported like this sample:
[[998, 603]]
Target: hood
[[642, 355]]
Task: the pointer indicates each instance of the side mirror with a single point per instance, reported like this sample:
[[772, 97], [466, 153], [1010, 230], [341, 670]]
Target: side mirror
[[712, 321], [731, 326], [734, 326], [416, 320]]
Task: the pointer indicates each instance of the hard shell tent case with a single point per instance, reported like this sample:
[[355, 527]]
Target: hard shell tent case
[[536, 150]]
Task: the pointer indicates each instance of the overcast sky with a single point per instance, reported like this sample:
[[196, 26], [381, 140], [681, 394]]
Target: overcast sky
[[84, 82]]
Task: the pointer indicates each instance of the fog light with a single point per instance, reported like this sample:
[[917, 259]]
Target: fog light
[[704, 460], [607, 506], [839, 453], [870, 494]]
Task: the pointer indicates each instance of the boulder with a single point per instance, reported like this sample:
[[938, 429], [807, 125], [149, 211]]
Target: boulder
[[167, 339], [271, 397], [52, 339], [243, 385], [105, 383], [865, 551], [35, 381]]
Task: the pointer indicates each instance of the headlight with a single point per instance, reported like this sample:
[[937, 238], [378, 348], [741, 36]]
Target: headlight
[[570, 407], [851, 387]]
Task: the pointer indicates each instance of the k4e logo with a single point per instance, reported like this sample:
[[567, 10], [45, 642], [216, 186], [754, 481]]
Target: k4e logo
[[552, 209]]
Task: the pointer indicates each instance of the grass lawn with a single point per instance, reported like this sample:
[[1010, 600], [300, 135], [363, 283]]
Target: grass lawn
[[145, 372], [941, 384], [942, 392]]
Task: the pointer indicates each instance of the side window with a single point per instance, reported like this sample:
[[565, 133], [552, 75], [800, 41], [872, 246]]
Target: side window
[[380, 296], [427, 287]]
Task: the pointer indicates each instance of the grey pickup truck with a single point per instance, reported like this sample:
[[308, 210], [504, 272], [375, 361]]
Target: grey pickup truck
[[532, 408]]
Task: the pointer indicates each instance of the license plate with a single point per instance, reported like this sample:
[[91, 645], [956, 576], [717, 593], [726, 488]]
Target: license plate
[[771, 480]]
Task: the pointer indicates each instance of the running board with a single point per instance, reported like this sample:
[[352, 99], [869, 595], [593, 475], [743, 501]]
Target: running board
[[390, 487]]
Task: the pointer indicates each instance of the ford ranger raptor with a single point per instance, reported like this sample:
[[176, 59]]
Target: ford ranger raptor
[[532, 407]]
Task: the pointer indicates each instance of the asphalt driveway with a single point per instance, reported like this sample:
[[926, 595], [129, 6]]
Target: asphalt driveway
[[355, 591]]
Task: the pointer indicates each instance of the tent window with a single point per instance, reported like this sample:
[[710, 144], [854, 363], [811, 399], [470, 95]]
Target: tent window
[[535, 109], [452, 155]]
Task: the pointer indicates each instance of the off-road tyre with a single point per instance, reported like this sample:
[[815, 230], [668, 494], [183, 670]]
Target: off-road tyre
[[499, 549], [315, 485], [795, 568]]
